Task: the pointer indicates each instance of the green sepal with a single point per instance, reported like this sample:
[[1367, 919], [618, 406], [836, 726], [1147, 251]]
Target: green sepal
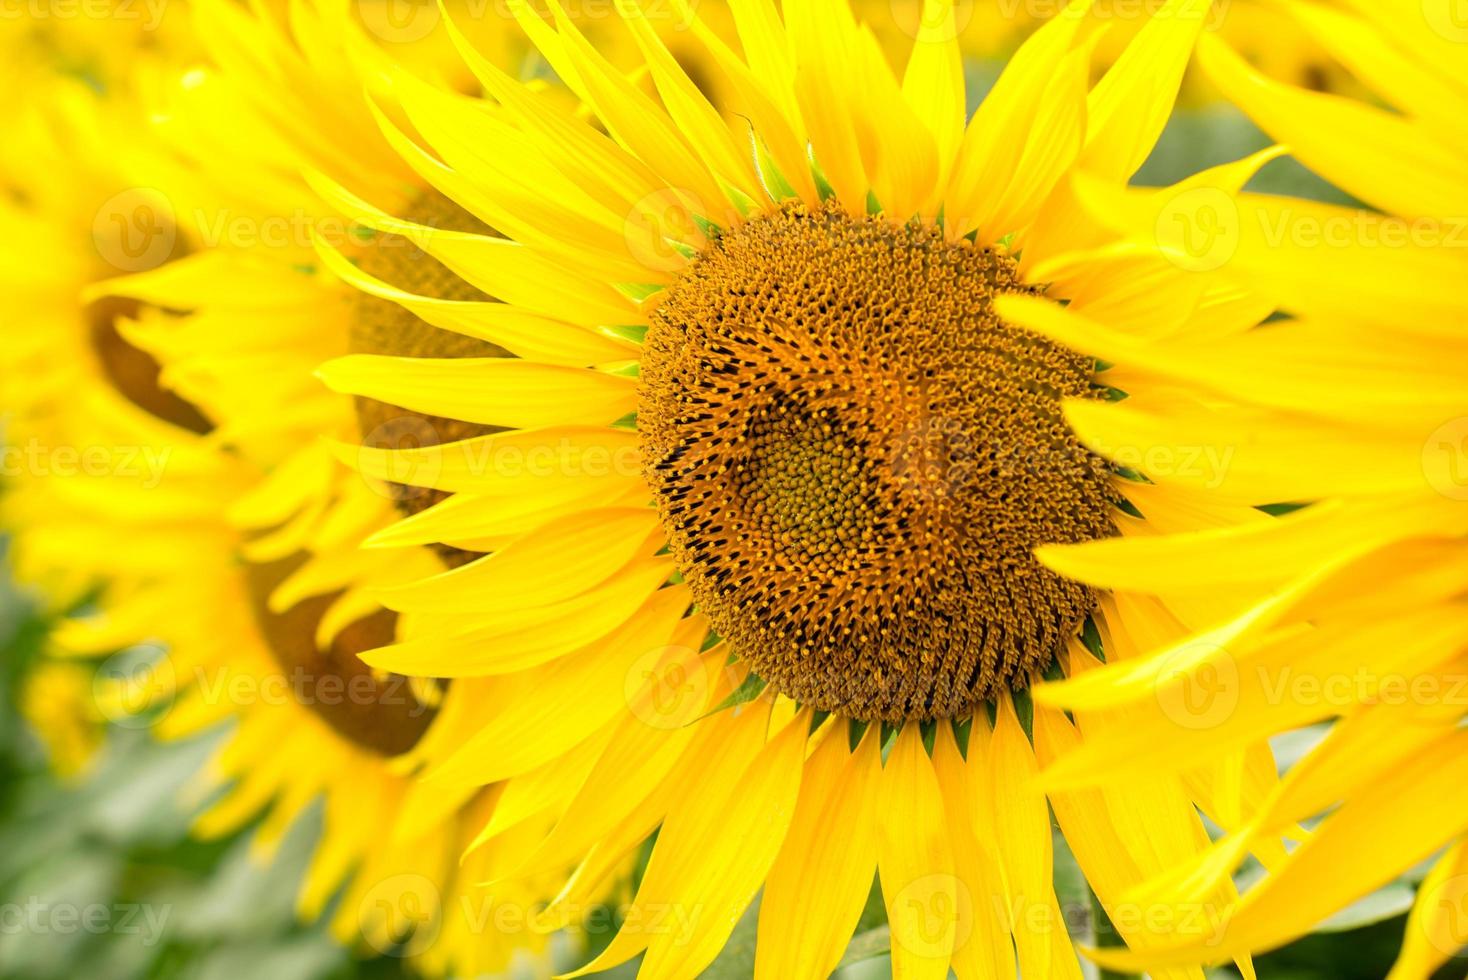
[[639, 291]]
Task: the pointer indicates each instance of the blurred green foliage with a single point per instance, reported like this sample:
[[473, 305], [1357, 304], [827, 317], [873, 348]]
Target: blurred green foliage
[[100, 878]]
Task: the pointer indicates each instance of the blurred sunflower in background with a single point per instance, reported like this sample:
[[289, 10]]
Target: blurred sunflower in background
[[93, 871], [85, 414], [1362, 621], [258, 615]]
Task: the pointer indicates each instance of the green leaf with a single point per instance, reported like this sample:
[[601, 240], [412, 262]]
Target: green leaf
[[1024, 709], [1091, 639], [874, 912], [637, 333], [742, 202], [774, 182], [682, 248], [1071, 889], [1280, 510], [639, 291], [710, 229], [823, 186]]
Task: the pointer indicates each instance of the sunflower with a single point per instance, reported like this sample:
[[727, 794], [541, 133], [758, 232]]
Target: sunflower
[[57, 703], [1351, 610], [765, 473], [79, 407], [232, 560], [1268, 37], [102, 43]]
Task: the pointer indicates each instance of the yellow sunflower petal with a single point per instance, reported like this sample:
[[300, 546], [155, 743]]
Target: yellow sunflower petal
[[533, 637], [982, 949], [1021, 822], [508, 392], [1361, 847], [1389, 161], [1129, 106], [1433, 931], [1010, 160], [915, 862], [819, 882]]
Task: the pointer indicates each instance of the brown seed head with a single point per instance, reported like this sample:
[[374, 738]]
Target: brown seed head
[[378, 713], [854, 459]]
